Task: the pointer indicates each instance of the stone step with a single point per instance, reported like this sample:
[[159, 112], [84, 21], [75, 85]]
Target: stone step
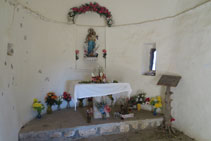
[[79, 132]]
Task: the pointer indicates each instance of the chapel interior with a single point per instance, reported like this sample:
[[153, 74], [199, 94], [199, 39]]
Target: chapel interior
[[105, 70]]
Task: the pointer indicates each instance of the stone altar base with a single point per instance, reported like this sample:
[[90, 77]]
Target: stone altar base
[[67, 125]]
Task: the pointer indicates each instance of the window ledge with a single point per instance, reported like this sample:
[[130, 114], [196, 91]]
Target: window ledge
[[150, 73]]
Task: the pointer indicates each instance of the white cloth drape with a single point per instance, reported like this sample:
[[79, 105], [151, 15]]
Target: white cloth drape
[[95, 90]]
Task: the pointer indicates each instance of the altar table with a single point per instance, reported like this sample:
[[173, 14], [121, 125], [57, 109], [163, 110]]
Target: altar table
[[95, 90]]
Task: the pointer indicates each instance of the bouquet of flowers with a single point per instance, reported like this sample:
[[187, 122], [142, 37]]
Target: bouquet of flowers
[[156, 103], [100, 78], [141, 98], [67, 97], [59, 102], [51, 98], [132, 101], [103, 108], [136, 101], [38, 106], [147, 100]]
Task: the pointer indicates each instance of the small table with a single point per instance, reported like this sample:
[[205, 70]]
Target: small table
[[95, 90]]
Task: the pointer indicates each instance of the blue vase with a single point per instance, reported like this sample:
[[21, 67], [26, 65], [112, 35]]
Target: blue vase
[[39, 115], [155, 111]]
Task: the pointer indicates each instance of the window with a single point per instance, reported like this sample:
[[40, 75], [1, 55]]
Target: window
[[151, 60], [152, 66]]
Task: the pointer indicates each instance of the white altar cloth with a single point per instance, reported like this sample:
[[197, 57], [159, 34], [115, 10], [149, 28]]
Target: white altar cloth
[[95, 90]]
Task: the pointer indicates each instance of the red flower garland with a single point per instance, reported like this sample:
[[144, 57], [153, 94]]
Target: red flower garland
[[93, 7]]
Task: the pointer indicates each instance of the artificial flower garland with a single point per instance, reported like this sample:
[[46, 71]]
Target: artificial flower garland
[[93, 7]]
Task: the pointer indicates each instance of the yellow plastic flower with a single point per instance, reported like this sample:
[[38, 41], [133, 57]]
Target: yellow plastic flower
[[158, 105], [158, 98], [35, 100], [152, 99], [37, 105]]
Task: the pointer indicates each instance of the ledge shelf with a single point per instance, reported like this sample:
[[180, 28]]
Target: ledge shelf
[[91, 59]]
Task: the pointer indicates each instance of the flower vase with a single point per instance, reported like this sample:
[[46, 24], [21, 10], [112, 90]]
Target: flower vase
[[155, 111], [138, 106], [103, 115], [59, 107], [49, 109], [88, 117], [39, 115], [80, 104], [68, 105]]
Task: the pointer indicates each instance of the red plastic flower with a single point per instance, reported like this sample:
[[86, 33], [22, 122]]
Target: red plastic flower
[[172, 119], [147, 99], [91, 7], [75, 9], [77, 51], [104, 50], [66, 96], [107, 108]]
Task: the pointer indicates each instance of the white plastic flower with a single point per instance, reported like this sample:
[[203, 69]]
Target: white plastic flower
[[101, 74], [93, 75]]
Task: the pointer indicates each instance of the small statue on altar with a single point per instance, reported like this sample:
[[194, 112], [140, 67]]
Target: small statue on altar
[[90, 44]]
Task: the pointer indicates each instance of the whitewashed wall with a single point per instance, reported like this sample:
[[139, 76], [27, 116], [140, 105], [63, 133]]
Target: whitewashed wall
[[8, 76], [44, 58], [192, 59]]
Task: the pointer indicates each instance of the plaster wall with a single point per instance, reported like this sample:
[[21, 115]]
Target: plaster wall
[[192, 59], [183, 48], [44, 58], [8, 106]]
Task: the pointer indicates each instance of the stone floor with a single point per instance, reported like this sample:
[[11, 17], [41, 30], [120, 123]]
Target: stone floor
[[68, 118], [142, 135], [68, 125]]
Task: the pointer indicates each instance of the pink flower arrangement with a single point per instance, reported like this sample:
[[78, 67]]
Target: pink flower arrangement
[[94, 7]]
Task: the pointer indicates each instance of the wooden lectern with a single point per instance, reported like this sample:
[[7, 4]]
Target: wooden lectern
[[168, 81]]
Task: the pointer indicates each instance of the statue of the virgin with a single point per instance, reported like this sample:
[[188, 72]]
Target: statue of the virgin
[[90, 44]]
